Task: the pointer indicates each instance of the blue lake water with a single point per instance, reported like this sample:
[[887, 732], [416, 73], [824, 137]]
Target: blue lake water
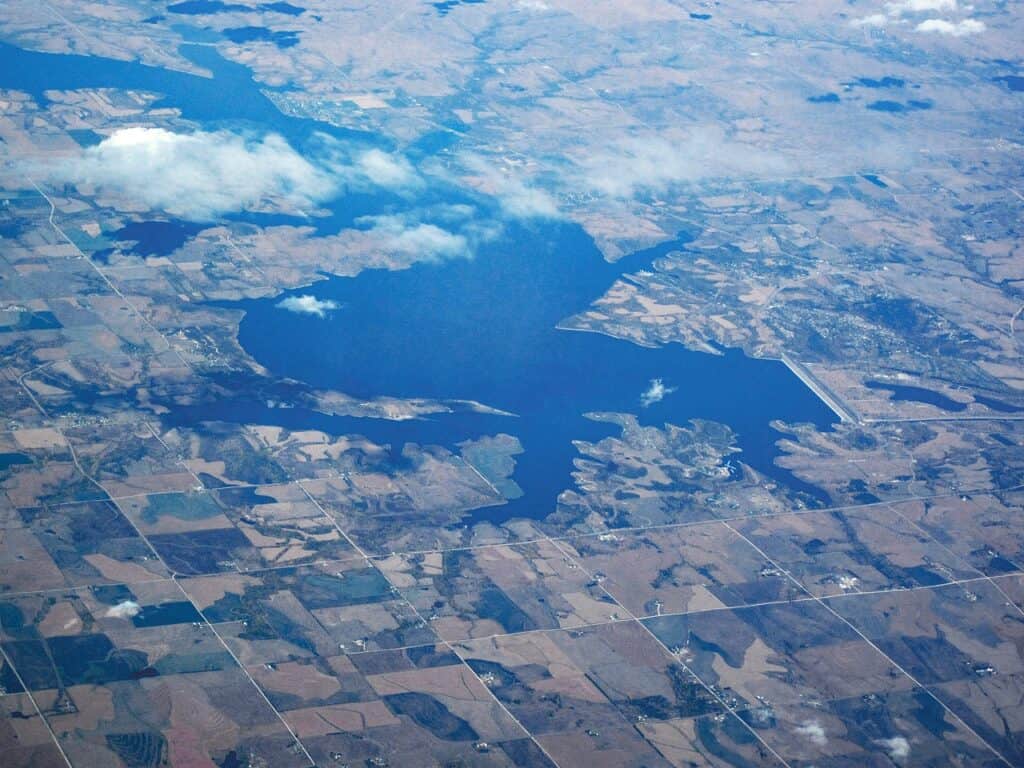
[[1013, 82], [485, 329], [886, 105], [209, 7], [157, 238], [884, 82], [482, 329], [998, 405], [903, 392], [281, 7], [282, 39], [13, 459], [204, 7], [445, 6]]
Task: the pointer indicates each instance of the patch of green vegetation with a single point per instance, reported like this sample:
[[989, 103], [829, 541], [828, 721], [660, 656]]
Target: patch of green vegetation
[[493, 458], [86, 243], [185, 663], [184, 506]]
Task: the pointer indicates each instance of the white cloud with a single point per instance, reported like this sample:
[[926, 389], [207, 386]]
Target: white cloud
[[897, 747], [960, 28], [199, 175], [424, 242], [204, 174], [920, 6], [517, 198], [452, 213], [655, 393], [124, 610], [525, 202], [307, 305], [812, 730], [875, 20], [431, 233], [390, 171], [429, 241], [896, 11], [656, 164]]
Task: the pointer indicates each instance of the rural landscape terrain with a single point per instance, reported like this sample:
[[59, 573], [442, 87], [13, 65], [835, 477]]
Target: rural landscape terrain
[[537, 383]]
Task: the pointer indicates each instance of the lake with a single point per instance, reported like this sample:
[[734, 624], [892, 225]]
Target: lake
[[483, 329]]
